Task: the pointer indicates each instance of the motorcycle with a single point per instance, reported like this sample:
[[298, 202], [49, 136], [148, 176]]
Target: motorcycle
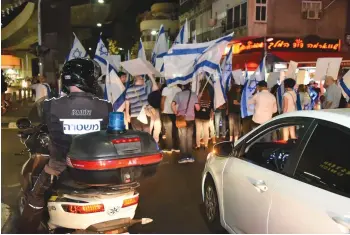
[[90, 196]]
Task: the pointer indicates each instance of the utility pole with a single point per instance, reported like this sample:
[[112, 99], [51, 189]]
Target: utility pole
[[41, 64]]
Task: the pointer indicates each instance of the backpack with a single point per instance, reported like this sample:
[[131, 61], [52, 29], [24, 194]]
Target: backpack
[[342, 103]]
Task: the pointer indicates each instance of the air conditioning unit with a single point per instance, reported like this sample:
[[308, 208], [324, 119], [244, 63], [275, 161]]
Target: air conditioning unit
[[313, 14]]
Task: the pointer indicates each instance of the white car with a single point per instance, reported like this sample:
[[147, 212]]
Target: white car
[[265, 184]]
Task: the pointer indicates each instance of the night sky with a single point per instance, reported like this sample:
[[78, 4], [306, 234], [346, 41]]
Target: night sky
[[124, 27]]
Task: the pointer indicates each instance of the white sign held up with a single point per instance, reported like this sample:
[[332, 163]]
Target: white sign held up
[[327, 67]]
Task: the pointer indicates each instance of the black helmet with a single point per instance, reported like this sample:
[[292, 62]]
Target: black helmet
[[82, 73]]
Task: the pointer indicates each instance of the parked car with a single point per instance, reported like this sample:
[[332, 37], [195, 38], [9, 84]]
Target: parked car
[[268, 183]]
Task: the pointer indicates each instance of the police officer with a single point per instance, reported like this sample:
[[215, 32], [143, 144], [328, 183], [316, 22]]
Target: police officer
[[65, 118]]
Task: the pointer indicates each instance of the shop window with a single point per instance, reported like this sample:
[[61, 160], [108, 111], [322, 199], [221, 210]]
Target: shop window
[[261, 10], [325, 160]]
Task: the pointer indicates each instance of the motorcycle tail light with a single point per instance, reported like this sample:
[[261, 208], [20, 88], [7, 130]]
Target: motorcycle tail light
[[130, 201], [84, 209], [126, 140], [114, 163]]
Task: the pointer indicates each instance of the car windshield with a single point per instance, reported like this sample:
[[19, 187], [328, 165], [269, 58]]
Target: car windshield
[[36, 113]]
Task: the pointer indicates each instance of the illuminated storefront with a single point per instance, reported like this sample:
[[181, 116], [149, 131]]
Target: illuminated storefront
[[11, 66], [249, 51]]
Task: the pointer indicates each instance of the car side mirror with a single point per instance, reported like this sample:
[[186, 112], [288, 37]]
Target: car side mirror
[[23, 123], [223, 149]]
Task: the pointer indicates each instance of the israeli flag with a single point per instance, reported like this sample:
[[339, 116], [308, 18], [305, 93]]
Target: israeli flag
[[344, 84], [77, 51], [313, 96], [182, 37], [226, 68], [114, 90], [101, 56], [184, 61], [250, 87], [161, 47], [141, 53]]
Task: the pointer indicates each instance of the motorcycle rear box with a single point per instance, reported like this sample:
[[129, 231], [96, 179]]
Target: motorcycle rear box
[[104, 158]]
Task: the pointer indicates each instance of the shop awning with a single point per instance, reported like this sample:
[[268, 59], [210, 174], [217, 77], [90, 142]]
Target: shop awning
[[9, 61], [309, 58], [253, 59]]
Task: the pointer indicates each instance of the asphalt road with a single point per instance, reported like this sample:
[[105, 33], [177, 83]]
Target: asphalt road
[[172, 198]]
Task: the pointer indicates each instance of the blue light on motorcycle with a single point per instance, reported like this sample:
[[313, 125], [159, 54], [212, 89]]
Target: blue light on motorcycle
[[116, 122]]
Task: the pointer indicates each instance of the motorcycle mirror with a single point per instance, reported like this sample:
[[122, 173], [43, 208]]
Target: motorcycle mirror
[[23, 123]]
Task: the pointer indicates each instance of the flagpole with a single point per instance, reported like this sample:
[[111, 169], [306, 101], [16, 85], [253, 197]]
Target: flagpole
[[200, 94]]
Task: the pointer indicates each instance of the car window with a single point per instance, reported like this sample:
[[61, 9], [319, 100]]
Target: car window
[[273, 149], [325, 161]]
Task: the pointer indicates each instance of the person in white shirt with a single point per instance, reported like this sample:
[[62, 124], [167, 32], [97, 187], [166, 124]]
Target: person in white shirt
[[333, 93], [265, 104], [305, 98], [169, 118], [42, 90], [289, 105]]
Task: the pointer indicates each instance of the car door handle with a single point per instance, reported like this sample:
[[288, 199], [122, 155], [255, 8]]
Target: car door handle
[[344, 224], [260, 185]]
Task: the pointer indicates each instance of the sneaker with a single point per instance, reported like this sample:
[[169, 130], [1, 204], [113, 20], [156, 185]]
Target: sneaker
[[166, 151], [176, 150], [186, 160], [190, 160], [183, 160]]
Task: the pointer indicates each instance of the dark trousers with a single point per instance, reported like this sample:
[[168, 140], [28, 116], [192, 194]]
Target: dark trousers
[[186, 139], [139, 126], [220, 114], [171, 131], [246, 124]]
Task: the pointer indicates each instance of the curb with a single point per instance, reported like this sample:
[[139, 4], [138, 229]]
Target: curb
[[5, 215], [12, 125]]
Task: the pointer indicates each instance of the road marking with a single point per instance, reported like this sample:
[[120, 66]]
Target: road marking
[[13, 185]]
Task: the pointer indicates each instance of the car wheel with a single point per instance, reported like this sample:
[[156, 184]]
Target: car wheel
[[211, 205]]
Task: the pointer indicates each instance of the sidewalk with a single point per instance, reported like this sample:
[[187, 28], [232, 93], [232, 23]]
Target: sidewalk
[[18, 110], [5, 214]]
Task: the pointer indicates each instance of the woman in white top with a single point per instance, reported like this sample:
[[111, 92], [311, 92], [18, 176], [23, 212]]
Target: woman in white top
[[289, 105], [305, 98]]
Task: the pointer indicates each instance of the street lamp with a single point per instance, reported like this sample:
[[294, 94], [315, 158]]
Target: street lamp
[[90, 49], [99, 24], [154, 32]]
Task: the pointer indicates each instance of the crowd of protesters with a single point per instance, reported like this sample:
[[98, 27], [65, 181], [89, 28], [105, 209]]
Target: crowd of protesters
[[163, 105]]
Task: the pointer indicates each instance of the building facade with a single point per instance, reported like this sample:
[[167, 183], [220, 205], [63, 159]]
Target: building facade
[[160, 14], [283, 29]]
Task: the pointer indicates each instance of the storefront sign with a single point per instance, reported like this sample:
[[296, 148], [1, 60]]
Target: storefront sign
[[287, 44]]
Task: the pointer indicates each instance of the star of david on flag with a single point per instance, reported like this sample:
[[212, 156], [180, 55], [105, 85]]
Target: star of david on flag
[[77, 51], [101, 55]]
